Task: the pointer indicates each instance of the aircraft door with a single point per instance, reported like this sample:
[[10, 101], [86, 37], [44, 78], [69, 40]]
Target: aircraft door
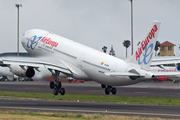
[[80, 60], [113, 69]]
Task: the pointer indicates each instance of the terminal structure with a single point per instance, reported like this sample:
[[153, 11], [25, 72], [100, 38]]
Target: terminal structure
[[167, 49]]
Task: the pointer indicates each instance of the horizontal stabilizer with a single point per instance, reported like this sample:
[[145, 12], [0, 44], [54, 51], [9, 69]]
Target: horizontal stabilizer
[[121, 74]]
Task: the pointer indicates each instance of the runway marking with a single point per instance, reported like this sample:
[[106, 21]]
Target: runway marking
[[141, 92], [90, 111]]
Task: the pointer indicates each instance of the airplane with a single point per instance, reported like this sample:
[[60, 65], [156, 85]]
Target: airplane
[[166, 60], [165, 69], [60, 55], [5, 71]]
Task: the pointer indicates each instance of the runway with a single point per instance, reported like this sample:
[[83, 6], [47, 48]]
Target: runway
[[152, 89], [165, 89], [91, 107]]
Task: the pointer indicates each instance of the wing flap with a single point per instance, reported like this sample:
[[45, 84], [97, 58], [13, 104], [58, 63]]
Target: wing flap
[[64, 70]]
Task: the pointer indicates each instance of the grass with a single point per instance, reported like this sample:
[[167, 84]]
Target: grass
[[93, 98], [29, 115]]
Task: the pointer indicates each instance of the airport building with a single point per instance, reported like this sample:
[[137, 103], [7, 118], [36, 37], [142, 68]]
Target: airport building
[[167, 49]]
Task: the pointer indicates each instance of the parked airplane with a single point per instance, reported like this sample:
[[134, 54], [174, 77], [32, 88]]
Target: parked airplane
[[5, 71], [166, 60], [164, 69], [63, 56]]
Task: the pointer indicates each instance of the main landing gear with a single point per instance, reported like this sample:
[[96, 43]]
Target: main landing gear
[[57, 85], [57, 88], [109, 89]]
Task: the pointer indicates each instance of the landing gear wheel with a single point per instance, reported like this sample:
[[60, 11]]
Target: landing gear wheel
[[107, 90], [109, 87], [103, 86], [62, 91], [52, 85], [113, 90], [55, 91], [59, 85]]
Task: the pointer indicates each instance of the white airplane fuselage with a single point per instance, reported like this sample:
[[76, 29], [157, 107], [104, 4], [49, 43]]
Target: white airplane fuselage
[[88, 63]]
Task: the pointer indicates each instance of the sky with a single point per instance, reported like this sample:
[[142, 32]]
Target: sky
[[94, 23]]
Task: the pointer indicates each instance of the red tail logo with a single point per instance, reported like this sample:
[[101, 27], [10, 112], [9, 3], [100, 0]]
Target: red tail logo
[[145, 42]]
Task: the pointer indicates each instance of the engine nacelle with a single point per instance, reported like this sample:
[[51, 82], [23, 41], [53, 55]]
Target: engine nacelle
[[22, 72], [146, 74]]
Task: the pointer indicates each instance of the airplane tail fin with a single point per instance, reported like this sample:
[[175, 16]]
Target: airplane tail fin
[[143, 55]]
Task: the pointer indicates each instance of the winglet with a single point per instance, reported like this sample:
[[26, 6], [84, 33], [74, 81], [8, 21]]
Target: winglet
[[143, 54]]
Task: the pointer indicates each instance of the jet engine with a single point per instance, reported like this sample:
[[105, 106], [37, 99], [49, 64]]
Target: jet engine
[[146, 74], [22, 71]]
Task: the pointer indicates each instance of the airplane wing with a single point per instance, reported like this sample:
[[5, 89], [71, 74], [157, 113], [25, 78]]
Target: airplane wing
[[165, 60], [50, 64]]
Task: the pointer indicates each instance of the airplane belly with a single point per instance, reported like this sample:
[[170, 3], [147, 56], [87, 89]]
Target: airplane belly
[[121, 81], [100, 77], [110, 80]]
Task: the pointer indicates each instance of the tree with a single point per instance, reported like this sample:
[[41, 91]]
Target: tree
[[126, 44], [158, 54], [112, 52], [156, 48], [104, 49]]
